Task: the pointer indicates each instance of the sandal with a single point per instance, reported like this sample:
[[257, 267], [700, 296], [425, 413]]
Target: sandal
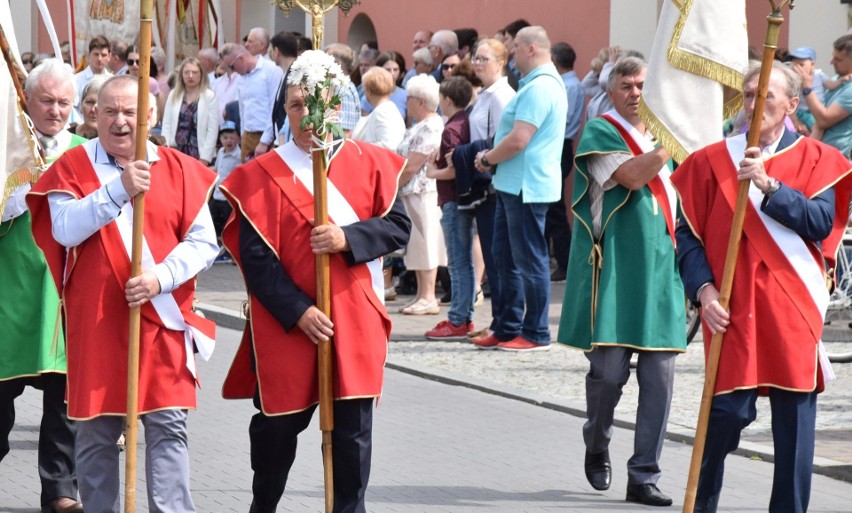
[[422, 307]]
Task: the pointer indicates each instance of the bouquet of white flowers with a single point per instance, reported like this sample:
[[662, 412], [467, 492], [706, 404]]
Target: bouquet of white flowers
[[321, 80]]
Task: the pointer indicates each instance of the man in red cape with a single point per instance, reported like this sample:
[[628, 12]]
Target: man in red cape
[[82, 220], [272, 238], [794, 223]]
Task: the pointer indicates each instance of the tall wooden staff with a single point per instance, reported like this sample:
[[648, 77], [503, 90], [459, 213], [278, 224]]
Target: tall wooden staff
[[325, 351], [774, 20], [146, 10]]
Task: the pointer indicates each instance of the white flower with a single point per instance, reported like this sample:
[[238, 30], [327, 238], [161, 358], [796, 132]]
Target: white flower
[[321, 80]]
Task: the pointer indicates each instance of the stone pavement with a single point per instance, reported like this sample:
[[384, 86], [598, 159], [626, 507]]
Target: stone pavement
[[555, 379], [438, 448], [487, 431]]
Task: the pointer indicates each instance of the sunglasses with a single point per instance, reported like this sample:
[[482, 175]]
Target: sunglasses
[[132, 62], [25, 61]]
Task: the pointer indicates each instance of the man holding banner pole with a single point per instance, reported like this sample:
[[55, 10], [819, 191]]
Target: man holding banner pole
[[794, 223], [82, 220]]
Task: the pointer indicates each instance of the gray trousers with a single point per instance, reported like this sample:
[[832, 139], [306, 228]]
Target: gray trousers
[[608, 372], [166, 462]]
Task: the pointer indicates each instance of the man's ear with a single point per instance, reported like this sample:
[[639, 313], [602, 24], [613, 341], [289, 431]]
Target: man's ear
[[794, 104]]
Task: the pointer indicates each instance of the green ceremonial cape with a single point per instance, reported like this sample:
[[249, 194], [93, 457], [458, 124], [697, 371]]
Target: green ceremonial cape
[[636, 298], [31, 337]]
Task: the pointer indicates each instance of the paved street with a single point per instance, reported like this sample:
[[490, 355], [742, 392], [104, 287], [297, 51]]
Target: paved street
[[508, 440], [438, 448], [556, 378]]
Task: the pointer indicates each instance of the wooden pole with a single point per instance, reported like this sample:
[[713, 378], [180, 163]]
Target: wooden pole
[[325, 349], [774, 21], [132, 420]]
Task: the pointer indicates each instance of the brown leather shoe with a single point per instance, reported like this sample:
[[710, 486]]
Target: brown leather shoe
[[63, 505]]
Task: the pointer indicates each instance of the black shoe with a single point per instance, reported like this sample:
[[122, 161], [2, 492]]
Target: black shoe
[[647, 494], [599, 470], [558, 275]]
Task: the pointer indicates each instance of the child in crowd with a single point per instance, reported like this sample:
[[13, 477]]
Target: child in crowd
[[227, 159]]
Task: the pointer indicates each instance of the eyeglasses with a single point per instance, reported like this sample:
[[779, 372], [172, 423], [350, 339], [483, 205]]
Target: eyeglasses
[[480, 60], [233, 61], [132, 62], [449, 67], [25, 61]]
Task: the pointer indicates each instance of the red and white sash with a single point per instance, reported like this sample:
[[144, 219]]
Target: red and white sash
[[661, 185], [340, 211], [807, 269]]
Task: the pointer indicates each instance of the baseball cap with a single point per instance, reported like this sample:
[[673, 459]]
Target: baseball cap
[[803, 52], [228, 126]]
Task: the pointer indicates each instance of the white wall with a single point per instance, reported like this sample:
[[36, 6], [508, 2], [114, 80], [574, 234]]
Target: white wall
[[817, 23], [632, 24]]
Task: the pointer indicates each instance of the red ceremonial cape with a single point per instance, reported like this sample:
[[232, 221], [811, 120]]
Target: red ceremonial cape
[[95, 273], [775, 324], [279, 206]]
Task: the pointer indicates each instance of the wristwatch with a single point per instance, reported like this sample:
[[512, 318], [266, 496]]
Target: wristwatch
[[807, 90], [484, 161], [774, 185]]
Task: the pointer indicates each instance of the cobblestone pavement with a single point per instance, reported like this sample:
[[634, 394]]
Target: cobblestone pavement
[[438, 448], [556, 378]]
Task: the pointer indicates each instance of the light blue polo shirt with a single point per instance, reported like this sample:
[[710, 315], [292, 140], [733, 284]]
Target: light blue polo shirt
[[536, 171], [840, 135]]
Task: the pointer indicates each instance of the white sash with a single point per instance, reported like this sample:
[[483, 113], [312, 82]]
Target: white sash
[[165, 304], [793, 247], [339, 209], [645, 143]]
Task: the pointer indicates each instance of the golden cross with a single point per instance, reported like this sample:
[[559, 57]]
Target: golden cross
[[317, 9]]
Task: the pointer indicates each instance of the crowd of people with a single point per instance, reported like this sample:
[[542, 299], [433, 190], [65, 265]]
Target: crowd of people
[[468, 149]]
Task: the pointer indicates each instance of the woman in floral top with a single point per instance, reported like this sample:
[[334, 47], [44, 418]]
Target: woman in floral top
[[191, 117], [425, 251]]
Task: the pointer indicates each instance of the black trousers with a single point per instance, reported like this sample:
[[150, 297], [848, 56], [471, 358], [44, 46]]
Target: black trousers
[[273, 450], [220, 210], [556, 228], [56, 467], [793, 435]]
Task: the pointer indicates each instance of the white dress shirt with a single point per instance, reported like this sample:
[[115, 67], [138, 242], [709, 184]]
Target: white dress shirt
[[256, 93], [75, 220]]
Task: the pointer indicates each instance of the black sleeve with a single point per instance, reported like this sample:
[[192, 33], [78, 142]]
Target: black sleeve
[[694, 268], [267, 279], [811, 219], [377, 236]]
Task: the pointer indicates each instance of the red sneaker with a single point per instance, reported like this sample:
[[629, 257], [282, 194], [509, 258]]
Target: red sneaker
[[445, 330], [489, 342], [520, 344]]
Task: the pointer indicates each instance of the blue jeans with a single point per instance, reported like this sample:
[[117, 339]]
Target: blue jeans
[[523, 263], [460, 263], [483, 214]]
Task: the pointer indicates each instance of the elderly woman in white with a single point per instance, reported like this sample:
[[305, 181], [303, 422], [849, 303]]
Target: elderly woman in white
[[384, 126], [191, 117], [426, 250]]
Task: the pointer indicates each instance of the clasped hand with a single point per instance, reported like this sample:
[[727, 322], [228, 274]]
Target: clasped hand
[[712, 313], [751, 168], [141, 289], [136, 177], [316, 325], [328, 238]]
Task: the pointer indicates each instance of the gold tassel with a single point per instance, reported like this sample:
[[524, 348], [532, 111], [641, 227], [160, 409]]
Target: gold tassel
[[699, 65], [596, 261]]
